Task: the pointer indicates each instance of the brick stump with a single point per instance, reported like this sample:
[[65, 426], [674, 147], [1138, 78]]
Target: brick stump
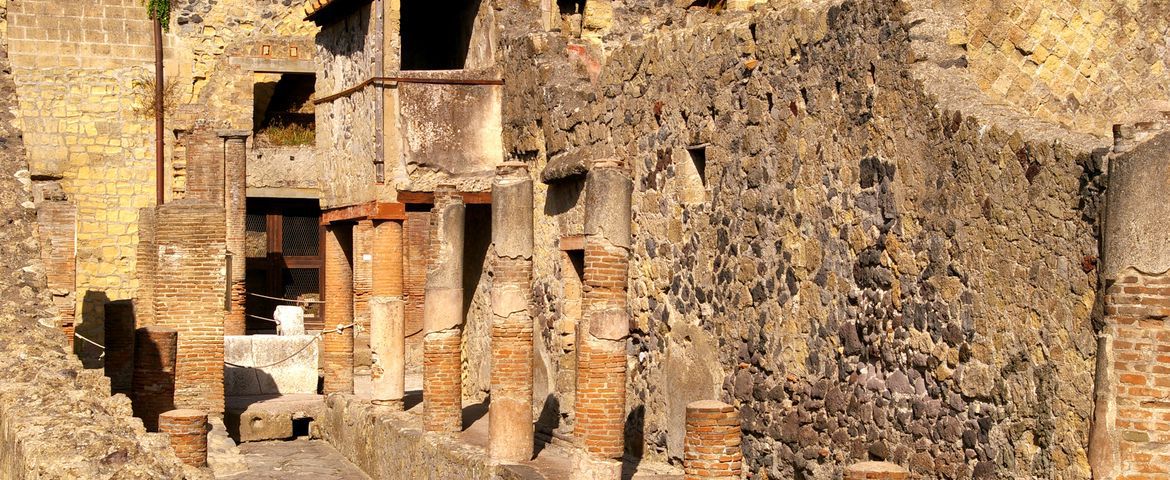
[[153, 385], [876, 471], [187, 430], [712, 446]]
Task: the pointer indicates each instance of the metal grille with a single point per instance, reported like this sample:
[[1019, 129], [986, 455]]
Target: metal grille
[[301, 281], [301, 235], [256, 222]]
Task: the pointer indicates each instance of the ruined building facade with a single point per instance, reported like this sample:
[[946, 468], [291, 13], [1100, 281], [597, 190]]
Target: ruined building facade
[[921, 232]]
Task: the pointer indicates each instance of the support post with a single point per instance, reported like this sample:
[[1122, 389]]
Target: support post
[[337, 340], [601, 337], [235, 172], [443, 315], [363, 273], [510, 415], [388, 317]]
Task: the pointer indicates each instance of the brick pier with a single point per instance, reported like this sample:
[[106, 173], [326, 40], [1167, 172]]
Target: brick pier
[[363, 277], [187, 431], [443, 316], [711, 450], [510, 415], [601, 336], [337, 346], [153, 386], [235, 167]]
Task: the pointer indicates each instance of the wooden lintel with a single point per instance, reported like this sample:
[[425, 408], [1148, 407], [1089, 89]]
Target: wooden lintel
[[479, 198], [365, 211], [572, 242]]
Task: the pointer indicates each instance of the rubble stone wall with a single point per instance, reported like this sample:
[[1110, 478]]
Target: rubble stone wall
[[820, 243]]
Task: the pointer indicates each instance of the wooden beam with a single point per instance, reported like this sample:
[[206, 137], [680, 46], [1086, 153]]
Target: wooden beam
[[365, 211], [428, 198], [572, 242]]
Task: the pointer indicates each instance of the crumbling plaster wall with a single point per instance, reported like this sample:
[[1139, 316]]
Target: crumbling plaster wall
[[870, 273]]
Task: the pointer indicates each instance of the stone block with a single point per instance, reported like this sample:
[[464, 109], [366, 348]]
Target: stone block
[[291, 318], [270, 364]]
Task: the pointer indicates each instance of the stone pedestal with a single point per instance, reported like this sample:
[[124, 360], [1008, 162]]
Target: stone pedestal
[[387, 317], [337, 339], [712, 449], [601, 336], [510, 415], [153, 386], [187, 430], [443, 316], [875, 471]]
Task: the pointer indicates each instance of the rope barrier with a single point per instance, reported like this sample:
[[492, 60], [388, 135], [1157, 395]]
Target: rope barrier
[[257, 317], [78, 335], [290, 300]]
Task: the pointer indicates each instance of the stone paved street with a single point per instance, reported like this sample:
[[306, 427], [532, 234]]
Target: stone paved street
[[295, 459]]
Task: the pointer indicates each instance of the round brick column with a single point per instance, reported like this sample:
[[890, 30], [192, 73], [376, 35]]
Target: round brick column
[[443, 316], [602, 334], [387, 317], [337, 346], [187, 430], [876, 471], [153, 385], [510, 415], [235, 166], [712, 446]]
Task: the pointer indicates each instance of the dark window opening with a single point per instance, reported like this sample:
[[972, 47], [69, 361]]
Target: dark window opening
[[437, 35], [283, 239], [283, 113], [691, 175], [698, 154], [570, 7]]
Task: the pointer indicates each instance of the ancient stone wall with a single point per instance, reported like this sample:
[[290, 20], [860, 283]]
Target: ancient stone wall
[[1085, 65], [819, 243]]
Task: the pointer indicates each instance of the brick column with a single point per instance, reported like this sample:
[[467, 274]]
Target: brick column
[[443, 316], [387, 317], [190, 295], [601, 336], [510, 415], [711, 450], [416, 232], [235, 161], [145, 267], [205, 164], [1131, 417], [875, 471], [187, 431], [337, 345], [119, 323], [363, 265], [153, 385], [57, 229]]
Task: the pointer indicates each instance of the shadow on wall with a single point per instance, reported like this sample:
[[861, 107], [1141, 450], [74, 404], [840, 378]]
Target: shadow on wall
[[634, 437], [91, 325], [548, 421], [477, 238]]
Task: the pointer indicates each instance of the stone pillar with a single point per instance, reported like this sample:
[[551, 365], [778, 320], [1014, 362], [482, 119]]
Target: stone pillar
[[145, 267], [443, 316], [191, 295], [712, 449], [363, 264], [875, 471], [510, 415], [1133, 369], [337, 345], [153, 389], [601, 336], [235, 161], [187, 431], [388, 317], [120, 335]]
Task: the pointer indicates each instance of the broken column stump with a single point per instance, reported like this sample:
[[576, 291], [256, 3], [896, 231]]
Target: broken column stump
[[712, 448], [153, 385], [336, 337], [387, 317], [876, 471], [602, 335], [510, 414], [443, 316], [187, 430]]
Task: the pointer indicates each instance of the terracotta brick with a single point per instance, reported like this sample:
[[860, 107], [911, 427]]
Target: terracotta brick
[[187, 430], [711, 448], [337, 346]]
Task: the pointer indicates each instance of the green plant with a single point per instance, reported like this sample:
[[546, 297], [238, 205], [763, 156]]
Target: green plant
[[161, 10], [287, 134]]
